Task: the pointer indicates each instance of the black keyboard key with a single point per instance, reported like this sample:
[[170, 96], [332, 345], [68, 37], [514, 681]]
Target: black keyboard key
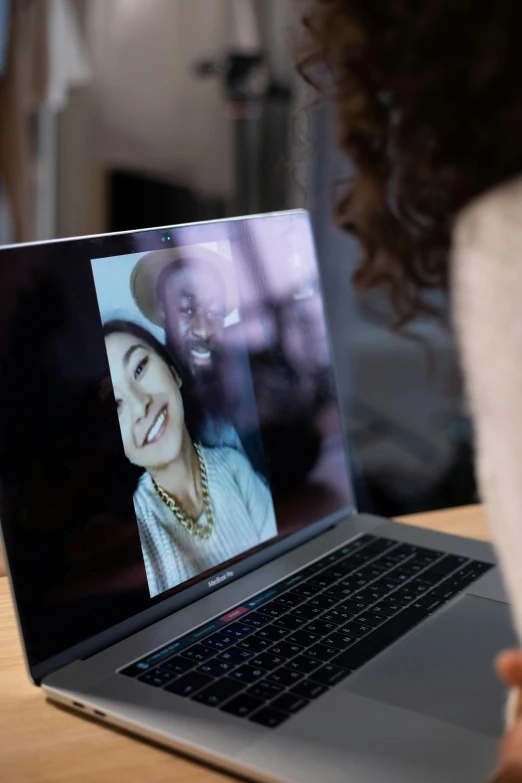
[[356, 629], [272, 633], [354, 607], [235, 656], [274, 609], [308, 612], [286, 649], [265, 690], [369, 596], [254, 645], [400, 598], [198, 653], [308, 689], [267, 661], [303, 664], [382, 637], [247, 674], [239, 630], [445, 566], [384, 586], [321, 627], [380, 545], [218, 692], [220, 641], [256, 619], [242, 706], [323, 651], [323, 580], [303, 638], [340, 640], [178, 665], [215, 667], [418, 586], [189, 684], [306, 590], [157, 677], [445, 591], [337, 616], [428, 603], [290, 622], [285, 677], [330, 674], [386, 609], [338, 593], [288, 702], [269, 717], [321, 602], [370, 618], [288, 599]]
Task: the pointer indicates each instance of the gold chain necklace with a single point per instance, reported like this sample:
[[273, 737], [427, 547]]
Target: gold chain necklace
[[191, 525]]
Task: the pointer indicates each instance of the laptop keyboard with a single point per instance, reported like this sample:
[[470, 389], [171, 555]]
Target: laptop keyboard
[[269, 657]]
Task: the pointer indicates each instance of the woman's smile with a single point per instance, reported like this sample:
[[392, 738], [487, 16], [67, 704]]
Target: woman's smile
[[158, 427]]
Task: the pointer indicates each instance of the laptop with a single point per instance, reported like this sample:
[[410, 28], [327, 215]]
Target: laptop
[[180, 529]]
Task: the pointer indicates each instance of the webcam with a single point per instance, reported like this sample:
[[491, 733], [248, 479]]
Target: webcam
[[166, 237]]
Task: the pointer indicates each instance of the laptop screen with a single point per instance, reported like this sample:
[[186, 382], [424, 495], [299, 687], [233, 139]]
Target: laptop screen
[[169, 410]]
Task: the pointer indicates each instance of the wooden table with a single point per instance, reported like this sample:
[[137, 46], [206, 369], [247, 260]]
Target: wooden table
[[40, 743]]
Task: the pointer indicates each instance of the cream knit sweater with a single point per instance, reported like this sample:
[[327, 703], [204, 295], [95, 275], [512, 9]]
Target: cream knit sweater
[[487, 289]]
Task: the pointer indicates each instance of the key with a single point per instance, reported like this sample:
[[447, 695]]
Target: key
[[321, 601], [285, 677], [219, 641], [274, 609], [356, 629], [320, 627], [330, 674], [198, 653], [218, 692], [247, 674], [308, 689], [288, 702], [178, 665], [323, 652], [215, 667], [269, 717], [307, 590], [370, 618], [157, 677], [272, 633], [337, 616], [254, 645], [303, 664], [235, 656], [340, 640], [286, 650], [243, 705], [290, 623], [256, 620], [288, 599], [189, 684], [265, 690], [303, 638], [308, 612], [239, 630], [267, 661]]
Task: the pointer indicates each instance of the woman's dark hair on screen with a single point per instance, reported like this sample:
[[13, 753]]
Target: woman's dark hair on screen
[[192, 409], [428, 112]]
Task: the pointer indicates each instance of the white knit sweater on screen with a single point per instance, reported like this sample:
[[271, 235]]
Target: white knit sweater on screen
[[243, 518]]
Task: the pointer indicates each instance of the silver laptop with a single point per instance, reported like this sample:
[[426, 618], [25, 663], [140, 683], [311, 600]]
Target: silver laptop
[[179, 523]]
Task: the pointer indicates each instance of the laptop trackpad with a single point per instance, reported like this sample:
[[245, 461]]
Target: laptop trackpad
[[445, 669]]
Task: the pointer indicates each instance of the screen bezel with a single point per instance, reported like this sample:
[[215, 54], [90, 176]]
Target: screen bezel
[[117, 244]]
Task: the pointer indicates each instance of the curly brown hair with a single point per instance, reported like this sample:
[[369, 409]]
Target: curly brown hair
[[429, 112]]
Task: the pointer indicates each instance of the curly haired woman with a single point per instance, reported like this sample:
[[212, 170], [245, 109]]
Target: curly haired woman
[[429, 112]]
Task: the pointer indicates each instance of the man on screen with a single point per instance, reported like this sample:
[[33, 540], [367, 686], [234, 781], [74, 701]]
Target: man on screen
[[191, 293]]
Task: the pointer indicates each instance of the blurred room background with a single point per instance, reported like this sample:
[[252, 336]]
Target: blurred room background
[[124, 114]]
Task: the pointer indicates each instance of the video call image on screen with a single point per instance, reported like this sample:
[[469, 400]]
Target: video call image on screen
[[224, 398]]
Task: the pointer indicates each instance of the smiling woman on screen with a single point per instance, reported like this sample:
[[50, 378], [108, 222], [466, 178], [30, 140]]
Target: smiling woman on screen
[[196, 507]]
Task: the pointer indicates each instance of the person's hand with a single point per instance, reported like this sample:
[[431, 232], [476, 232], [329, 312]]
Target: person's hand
[[509, 668]]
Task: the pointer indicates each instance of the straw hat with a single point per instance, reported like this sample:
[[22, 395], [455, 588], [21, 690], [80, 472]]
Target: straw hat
[[144, 277]]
